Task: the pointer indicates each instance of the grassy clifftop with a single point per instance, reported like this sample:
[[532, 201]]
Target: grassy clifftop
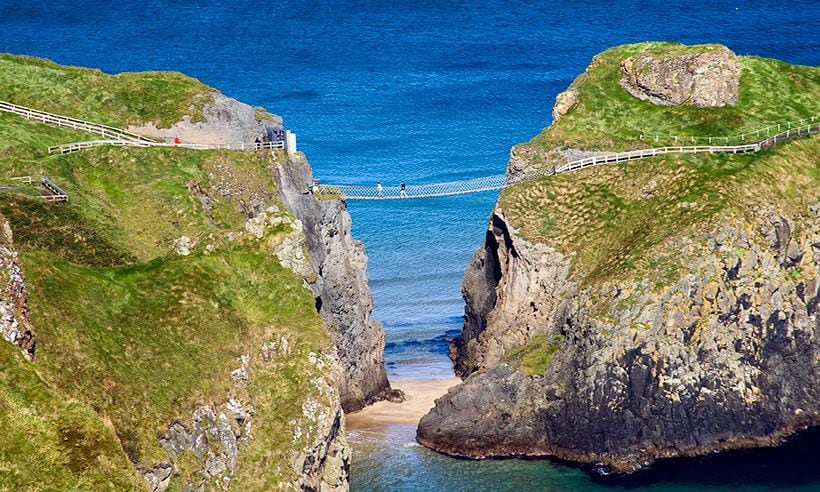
[[131, 335], [607, 117], [614, 220], [118, 100]]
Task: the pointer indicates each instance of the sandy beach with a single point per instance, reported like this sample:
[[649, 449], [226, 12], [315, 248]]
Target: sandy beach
[[421, 394]]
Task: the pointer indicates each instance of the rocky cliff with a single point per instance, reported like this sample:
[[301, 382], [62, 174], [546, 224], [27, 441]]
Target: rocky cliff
[[203, 310], [342, 293], [221, 119], [721, 359], [625, 314]]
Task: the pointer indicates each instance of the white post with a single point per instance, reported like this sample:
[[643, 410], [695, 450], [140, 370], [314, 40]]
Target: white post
[[290, 142]]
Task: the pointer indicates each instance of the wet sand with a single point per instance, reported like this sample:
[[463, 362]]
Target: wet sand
[[421, 394]]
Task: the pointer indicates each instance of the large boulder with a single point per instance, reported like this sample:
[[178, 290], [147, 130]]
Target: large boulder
[[704, 76]]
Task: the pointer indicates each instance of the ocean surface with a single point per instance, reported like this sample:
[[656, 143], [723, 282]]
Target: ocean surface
[[423, 91]]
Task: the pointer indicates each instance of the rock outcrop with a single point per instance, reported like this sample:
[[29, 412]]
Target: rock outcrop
[[224, 120], [216, 434], [705, 339], [15, 326], [563, 103], [705, 76], [513, 290], [343, 295], [727, 357]]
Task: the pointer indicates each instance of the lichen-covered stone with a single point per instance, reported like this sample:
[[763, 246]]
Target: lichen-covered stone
[[15, 325], [725, 357], [563, 103], [699, 76]]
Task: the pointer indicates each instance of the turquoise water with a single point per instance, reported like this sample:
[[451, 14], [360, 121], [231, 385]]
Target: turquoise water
[[423, 91], [398, 463]]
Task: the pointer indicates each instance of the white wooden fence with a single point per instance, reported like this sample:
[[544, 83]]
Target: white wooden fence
[[106, 131], [77, 146]]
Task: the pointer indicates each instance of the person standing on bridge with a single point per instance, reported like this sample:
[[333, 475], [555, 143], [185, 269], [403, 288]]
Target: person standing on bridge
[[402, 191], [379, 188]]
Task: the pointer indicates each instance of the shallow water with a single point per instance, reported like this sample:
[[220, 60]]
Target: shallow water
[[404, 465], [420, 91]]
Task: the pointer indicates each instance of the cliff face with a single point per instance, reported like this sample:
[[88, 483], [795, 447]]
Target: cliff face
[[513, 290], [725, 358], [342, 293], [624, 314]]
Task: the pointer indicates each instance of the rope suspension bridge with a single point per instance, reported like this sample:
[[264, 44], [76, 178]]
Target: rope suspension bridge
[[116, 137], [498, 182]]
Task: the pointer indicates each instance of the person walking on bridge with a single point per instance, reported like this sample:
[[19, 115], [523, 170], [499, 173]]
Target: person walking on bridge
[[402, 191], [379, 188]]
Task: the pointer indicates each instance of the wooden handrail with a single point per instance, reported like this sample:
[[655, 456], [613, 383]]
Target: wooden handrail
[[73, 123], [76, 146]]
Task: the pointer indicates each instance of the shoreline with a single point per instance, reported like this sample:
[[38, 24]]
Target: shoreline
[[421, 395]]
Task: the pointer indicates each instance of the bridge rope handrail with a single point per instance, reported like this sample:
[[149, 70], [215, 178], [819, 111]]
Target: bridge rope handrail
[[73, 123], [77, 146], [497, 182]]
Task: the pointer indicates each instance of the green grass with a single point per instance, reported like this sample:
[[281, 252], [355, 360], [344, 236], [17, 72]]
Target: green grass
[[59, 228], [118, 100], [140, 335], [602, 217], [613, 220], [138, 200], [131, 336], [663, 51], [145, 344], [535, 358], [607, 117], [51, 442]]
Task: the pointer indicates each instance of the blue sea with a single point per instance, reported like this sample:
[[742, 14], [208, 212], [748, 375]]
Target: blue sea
[[423, 91]]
